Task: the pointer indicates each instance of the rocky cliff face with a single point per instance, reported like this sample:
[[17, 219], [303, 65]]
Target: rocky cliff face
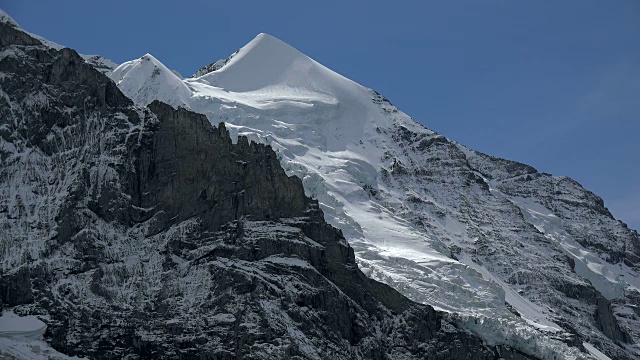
[[144, 232]]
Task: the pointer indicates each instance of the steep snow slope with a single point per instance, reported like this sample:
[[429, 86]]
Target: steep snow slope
[[443, 224]]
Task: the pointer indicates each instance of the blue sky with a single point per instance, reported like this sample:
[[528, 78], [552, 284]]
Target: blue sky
[[554, 84]]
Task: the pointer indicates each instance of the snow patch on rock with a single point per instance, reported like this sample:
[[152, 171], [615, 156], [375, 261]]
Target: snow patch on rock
[[21, 338]]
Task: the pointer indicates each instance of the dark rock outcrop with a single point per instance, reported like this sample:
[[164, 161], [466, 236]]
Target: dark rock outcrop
[[214, 66], [608, 323]]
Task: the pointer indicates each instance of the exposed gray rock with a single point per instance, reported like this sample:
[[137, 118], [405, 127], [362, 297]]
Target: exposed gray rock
[[608, 323], [214, 66]]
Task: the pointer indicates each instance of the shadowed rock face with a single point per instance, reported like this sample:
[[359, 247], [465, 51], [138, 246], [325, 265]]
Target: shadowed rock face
[[190, 169], [146, 233]]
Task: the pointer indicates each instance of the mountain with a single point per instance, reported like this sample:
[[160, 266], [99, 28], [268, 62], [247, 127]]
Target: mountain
[[517, 256], [112, 238], [145, 232]]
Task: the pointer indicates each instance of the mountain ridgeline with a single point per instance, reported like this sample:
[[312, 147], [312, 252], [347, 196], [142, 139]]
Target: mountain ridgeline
[[267, 207], [145, 232]]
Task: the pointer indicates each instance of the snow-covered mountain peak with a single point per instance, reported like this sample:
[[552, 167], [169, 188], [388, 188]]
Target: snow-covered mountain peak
[[271, 77], [267, 62], [150, 79], [523, 258]]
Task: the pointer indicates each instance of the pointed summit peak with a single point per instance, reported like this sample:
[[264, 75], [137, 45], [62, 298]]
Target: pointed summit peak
[[268, 62], [146, 79], [266, 41], [261, 40], [268, 49], [149, 57], [150, 61]]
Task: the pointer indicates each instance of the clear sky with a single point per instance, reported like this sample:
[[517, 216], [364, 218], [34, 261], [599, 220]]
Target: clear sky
[[554, 84]]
